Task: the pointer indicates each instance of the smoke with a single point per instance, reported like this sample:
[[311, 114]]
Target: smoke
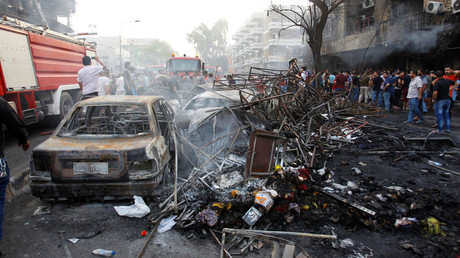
[[414, 42]]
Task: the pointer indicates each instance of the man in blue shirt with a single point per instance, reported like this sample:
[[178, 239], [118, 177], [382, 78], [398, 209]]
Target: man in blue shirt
[[388, 90]]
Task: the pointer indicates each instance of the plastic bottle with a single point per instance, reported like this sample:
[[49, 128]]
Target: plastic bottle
[[103, 252], [434, 163]]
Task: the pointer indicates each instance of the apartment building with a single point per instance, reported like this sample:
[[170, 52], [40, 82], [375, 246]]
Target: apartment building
[[393, 33], [260, 43]]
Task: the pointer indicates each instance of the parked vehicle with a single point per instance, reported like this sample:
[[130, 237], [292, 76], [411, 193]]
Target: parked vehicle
[[38, 70], [106, 146]]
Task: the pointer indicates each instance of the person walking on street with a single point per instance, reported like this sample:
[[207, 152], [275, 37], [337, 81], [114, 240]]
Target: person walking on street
[[88, 77], [17, 128], [414, 95]]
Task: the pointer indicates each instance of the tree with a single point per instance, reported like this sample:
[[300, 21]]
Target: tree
[[157, 52], [311, 19], [210, 43]]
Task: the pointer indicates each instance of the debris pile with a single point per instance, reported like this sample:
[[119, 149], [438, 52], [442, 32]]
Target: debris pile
[[267, 169]]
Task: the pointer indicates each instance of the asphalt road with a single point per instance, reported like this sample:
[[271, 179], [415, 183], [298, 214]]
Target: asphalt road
[[18, 160]]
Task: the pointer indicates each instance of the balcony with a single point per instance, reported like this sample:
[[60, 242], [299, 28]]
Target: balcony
[[256, 46], [285, 42], [277, 59], [256, 31]]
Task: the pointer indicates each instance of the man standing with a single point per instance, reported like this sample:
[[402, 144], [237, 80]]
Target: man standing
[[422, 104], [88, 77], [127, 80], [398, 85], [376, 84], [405, 81], [364, 87], [441, 100], [453, 76], [16, 127], [388, 90], [120, 85], [331, 81], [355, 86], [414, 95], [104, 83]]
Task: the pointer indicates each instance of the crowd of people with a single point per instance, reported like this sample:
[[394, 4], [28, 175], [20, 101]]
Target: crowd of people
[[418, 91], [145, 82]]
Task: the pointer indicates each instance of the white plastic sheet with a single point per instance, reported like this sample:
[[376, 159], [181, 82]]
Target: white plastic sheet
[[167, 223], [138, 210]]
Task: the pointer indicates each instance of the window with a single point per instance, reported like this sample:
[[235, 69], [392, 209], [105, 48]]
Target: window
[[108, 120]]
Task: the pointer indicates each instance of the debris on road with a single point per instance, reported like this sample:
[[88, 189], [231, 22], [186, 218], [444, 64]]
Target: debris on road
[[138, 210]]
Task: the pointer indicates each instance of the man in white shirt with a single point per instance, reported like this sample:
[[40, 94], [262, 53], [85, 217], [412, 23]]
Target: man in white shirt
[[414, 95], [104, 83], [120, 86], [88, 77]]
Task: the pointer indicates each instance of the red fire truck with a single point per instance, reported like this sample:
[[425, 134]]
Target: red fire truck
[[216, 71], [184, 64], [38, 70]]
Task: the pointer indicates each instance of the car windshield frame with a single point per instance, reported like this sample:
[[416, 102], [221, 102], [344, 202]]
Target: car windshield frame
[[108, 120]]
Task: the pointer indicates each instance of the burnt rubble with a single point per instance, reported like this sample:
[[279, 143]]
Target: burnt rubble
[[301, 164]]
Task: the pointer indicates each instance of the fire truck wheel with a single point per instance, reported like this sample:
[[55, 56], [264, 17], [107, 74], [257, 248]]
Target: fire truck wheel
[[66, 104]]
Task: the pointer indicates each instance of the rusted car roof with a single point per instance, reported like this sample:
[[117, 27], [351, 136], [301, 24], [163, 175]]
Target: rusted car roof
[[119, 99]]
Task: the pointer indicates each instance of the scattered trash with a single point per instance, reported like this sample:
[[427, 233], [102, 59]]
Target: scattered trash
[[362, 164], [352, 185], [381, 198], [264, 199], [207, 216], [357, 171], [42, 210], [230, 179], [143, 233], [103, 252], [347, 242], [138, 210], [73, 240], [434, 163], [405, 222], [409, 246], [166, 224], [432, 226], [252, 216]]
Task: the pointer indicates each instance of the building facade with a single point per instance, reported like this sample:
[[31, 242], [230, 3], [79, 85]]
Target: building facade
[[394, 34], [261, 43]]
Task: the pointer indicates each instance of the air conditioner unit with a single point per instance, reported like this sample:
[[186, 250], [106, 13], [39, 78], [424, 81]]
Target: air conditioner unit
[[368, 4], [434, 7], [456, 6]]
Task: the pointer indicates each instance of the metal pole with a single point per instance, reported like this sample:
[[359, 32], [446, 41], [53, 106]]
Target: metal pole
[[121, 29]]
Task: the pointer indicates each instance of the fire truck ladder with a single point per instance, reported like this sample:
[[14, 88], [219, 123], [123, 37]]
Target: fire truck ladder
[[39, 8]]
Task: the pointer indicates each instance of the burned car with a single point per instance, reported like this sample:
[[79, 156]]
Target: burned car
[[106, 146], [203, 105]]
